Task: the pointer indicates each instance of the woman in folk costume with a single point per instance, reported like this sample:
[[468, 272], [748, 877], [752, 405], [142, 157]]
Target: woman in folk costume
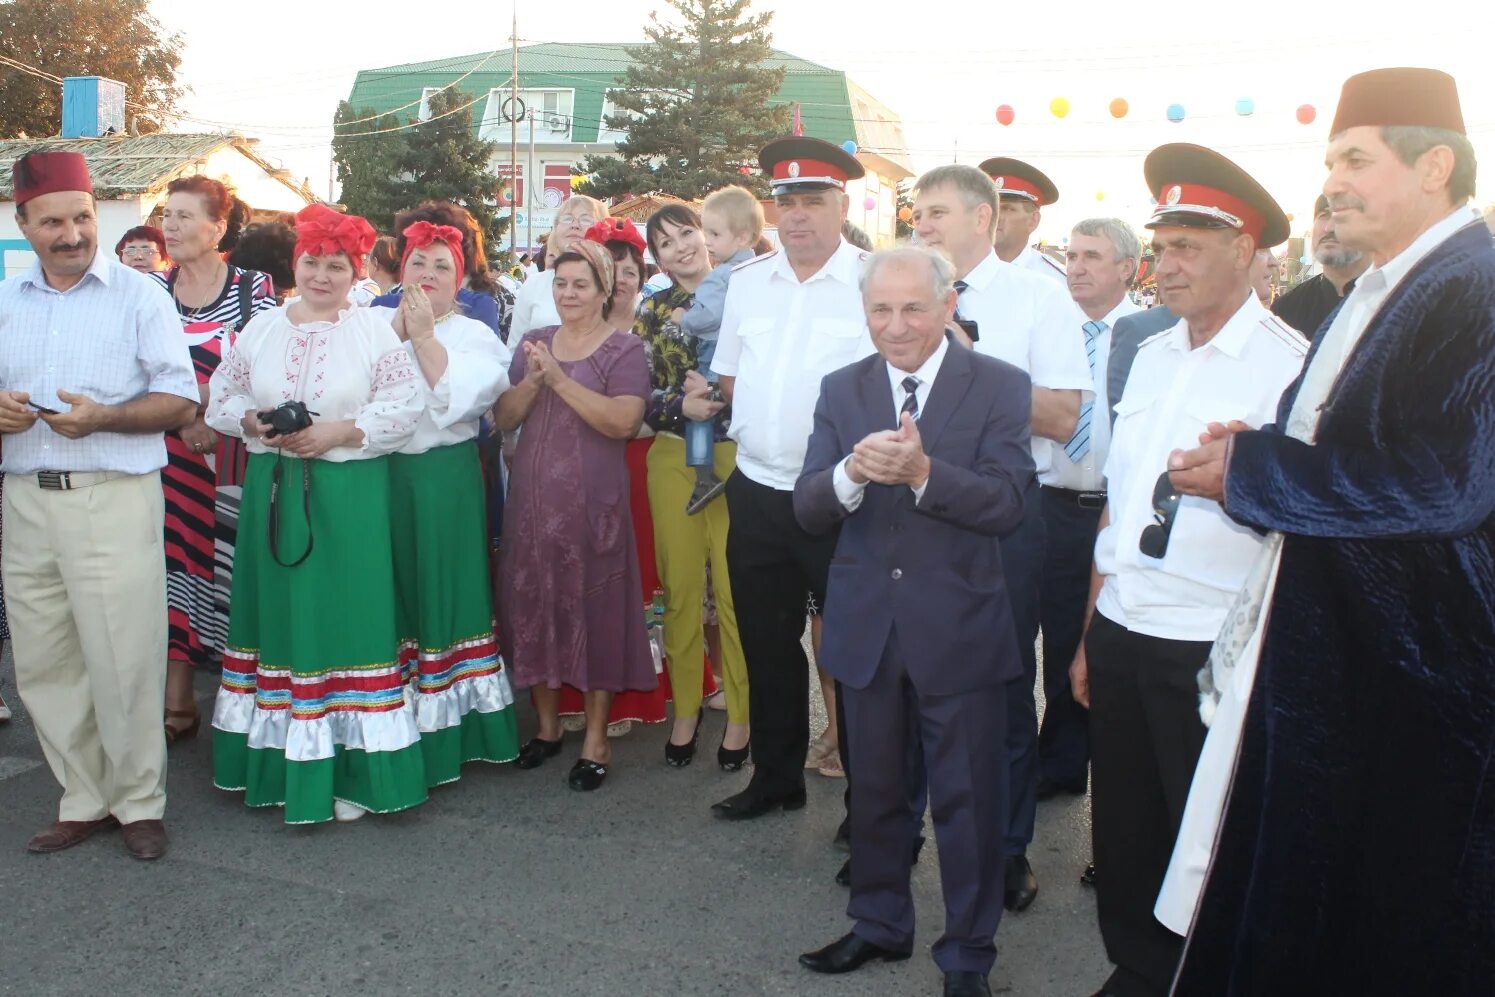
[[312, 713], [443, 593], [1351, 687]]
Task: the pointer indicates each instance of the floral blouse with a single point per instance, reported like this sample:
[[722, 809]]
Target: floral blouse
[[672, 355]]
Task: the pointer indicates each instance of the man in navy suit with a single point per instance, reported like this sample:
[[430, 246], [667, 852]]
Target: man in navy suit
[[921, 455]]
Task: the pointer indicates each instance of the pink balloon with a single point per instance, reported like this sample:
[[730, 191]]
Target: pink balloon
[[1005, 114], [1306, 114], [870, 203]]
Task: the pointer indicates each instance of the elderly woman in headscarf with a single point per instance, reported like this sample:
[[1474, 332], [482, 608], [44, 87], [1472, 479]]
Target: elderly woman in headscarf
[[312, 713], [570, 573]]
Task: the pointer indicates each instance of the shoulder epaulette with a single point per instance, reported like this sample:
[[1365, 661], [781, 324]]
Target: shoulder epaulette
[[1157, 336], [756, 259], [1286, 334]]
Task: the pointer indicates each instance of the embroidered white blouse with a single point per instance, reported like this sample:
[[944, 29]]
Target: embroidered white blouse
[[477, 372], [354, 368]]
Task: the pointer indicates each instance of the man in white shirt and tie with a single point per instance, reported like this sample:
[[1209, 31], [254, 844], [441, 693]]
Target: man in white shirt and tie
[[1102, 261], [1031, 323], [1168, 567]]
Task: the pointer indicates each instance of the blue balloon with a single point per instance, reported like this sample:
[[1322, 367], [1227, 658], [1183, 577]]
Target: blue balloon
[[850, 147], [1175, 112], [1245, 106]]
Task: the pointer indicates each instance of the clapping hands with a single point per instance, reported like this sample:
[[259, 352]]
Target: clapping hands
[[891, 457], [541, 367]]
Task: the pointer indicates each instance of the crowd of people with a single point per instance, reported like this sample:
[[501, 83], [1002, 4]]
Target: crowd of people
[[383, 488]]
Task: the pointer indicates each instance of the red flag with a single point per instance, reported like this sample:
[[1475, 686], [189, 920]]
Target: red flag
[[799, 126]]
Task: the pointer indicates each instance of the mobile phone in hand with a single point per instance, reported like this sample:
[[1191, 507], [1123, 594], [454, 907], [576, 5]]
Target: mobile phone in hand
[[43, 409]]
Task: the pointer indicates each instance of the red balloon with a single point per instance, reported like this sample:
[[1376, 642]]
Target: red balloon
[[1306, 114], [1005, 114]]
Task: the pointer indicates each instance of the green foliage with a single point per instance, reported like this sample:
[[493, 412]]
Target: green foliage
[[694, 105], [118, 39], [386, 166]]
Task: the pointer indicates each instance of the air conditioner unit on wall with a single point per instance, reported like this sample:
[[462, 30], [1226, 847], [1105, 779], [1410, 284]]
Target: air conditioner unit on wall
[[553, 121]]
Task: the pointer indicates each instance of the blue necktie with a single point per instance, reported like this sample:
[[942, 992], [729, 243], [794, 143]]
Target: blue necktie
[[1079, 444], [911, 400]]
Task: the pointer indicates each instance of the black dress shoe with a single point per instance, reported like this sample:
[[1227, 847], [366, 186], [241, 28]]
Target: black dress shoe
[[1021, 886], [680, 755], [848, 953], [1087, 878], [752, 803], [586, 775], [963, 983], [1050, 788], [843, 877], [842, 840], [537, 751]]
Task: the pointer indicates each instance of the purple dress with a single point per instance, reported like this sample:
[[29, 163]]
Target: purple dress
[[570, 574]]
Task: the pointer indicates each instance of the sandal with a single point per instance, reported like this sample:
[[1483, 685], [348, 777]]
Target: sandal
[[187, 733]]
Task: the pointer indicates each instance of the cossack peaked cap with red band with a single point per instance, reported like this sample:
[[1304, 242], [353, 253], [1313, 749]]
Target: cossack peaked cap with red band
[[800, 163], [1386, 98], [38, 173], [1017, 180], [1197, 187]]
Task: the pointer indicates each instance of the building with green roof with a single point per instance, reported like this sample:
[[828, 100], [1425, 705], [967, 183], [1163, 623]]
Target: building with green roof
[[566, 86]]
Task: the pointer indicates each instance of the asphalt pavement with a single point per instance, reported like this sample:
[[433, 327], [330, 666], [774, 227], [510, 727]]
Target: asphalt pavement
[[506, 882]]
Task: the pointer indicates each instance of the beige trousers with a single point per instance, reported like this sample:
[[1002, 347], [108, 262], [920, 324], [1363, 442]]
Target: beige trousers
[[85, 588]]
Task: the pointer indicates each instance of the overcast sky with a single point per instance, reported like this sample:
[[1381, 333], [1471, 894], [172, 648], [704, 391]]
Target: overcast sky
[[944, 69]]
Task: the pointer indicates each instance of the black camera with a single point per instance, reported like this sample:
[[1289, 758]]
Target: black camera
[[285, 418]]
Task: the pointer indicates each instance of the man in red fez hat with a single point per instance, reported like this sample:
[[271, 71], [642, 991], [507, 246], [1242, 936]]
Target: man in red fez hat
[[93, 370], [1351, 689]]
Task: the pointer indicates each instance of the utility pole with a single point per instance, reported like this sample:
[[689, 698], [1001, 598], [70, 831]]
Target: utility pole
[[514, 138], [531, 190]]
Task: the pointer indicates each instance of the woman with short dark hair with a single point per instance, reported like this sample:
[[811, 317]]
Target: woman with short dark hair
[[270, 248], [143, 248]]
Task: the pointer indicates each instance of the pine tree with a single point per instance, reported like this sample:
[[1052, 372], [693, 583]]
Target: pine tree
[[694, 105], [386, 166], [367, 150]]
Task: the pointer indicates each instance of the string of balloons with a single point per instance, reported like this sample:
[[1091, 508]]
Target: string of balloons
[[1119, 108]]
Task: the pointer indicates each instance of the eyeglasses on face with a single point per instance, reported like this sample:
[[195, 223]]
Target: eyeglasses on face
[[1165, 499], [140, 251]]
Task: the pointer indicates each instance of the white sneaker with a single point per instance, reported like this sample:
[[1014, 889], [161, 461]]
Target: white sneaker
[[347, 813]]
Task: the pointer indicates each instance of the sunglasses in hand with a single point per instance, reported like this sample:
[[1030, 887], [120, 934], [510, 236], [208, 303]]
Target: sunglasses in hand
[[1165, 499]]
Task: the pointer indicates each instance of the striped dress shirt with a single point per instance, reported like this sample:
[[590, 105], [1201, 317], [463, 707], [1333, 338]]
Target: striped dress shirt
[[113, 336]]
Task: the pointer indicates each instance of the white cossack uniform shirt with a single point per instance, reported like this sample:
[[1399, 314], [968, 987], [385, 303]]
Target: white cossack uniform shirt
[[1174, 392], [779, 337]]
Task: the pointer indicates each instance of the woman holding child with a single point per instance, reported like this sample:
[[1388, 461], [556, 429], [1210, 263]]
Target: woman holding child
[[684, 543]]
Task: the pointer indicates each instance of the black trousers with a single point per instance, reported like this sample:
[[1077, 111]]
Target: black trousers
[[1022, 563], [775, 567], [1069, 552], [1145, 738]]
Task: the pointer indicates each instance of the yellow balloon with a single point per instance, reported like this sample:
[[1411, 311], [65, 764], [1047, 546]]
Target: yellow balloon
[[1059, 106], [1100, 195]]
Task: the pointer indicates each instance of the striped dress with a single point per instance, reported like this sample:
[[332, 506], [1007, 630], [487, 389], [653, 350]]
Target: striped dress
[[202, 490]]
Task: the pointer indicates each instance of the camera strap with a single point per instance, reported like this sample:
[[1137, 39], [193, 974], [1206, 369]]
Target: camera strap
[[274, 515]]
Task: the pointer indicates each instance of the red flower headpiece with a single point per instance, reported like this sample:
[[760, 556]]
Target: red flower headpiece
[[322, 231], [617, 230], [422, 234]]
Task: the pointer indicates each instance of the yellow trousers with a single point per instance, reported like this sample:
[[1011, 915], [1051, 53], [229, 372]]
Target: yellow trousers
[[682, 546]]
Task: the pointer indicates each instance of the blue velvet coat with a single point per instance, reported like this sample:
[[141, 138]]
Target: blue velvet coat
[[1357, 850]]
